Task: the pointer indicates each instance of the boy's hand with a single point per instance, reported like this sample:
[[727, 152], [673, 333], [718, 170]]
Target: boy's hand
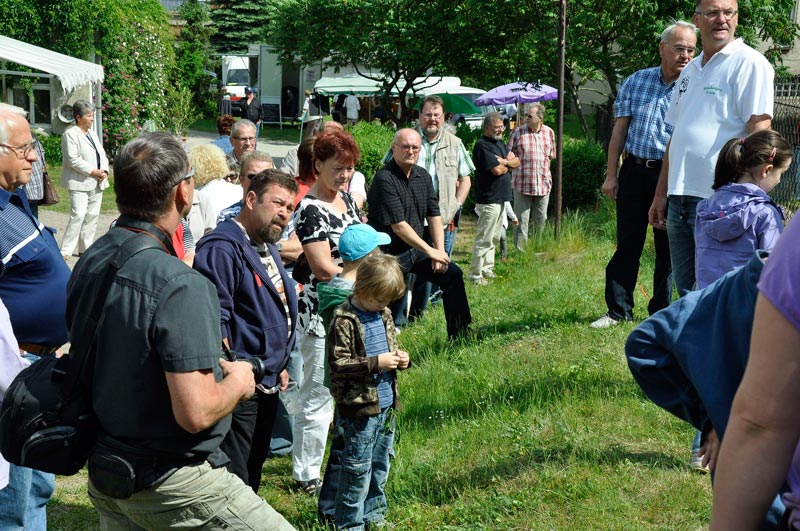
[[404, 360], [388, 361], [515, 223]]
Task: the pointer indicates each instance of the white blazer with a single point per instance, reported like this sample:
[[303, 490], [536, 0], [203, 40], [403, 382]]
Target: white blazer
[[79, 158]]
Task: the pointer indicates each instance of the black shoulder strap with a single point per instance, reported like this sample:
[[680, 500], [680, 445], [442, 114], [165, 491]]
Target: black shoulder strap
[[82, 368]]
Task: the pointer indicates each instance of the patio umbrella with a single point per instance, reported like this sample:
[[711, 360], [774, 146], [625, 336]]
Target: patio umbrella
[[519, 92], [455, 104]]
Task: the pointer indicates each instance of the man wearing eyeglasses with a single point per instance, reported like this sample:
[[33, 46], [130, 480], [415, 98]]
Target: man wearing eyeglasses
[[33, 286], [401, 200], [161, 394], [641, 133], [243, 138], [726, 92]]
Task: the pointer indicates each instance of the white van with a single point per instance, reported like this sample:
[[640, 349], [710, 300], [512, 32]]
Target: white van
[[235, 77]]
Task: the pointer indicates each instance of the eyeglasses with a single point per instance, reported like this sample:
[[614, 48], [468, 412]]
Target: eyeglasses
[[432, 115], [250, 176], [245, 138], [683, 49], [22, 151], [413, 149], [188, 176], [711, 15]]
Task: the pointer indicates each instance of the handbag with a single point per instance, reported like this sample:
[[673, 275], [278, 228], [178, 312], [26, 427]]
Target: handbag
[[49, 193], [301, 271], [46, 419]]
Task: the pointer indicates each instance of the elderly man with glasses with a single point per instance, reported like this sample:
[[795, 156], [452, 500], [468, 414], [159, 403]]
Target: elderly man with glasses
[[33, 286], [243, 138], [725, 92], [534, 144], [642, 135]]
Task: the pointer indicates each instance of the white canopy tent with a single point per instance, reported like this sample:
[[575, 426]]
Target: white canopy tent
[[70, 72]]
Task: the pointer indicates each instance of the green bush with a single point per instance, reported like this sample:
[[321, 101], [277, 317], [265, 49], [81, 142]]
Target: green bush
[[584, 169], [52, 148], [373, 140]]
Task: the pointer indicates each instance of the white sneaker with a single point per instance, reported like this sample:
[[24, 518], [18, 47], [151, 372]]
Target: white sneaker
[[480, 281], [697, 464], [489, 274], [605, 322]]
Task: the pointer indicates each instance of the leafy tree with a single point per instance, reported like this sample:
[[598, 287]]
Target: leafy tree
[[130, 38], [239, 23], [193, 54], [392, 41]]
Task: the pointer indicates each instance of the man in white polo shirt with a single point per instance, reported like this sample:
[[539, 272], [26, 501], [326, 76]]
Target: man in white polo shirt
[[725, 92]]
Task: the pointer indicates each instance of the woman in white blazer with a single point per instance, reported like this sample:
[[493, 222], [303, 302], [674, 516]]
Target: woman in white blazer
[[85, 175]]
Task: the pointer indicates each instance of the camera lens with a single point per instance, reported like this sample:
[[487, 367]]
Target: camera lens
[[258, 368]]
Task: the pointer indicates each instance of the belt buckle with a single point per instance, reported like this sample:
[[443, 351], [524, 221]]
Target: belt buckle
[[648, 162]]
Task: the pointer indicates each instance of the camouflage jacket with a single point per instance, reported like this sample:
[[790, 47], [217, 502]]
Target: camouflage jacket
[[352, 372]]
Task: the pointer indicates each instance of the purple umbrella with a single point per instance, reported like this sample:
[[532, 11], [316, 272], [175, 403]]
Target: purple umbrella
[[519, 92]]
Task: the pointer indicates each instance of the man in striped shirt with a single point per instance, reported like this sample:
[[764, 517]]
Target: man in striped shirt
[[534, 144]]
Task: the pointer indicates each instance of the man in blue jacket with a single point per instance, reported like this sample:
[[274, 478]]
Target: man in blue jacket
[[689, 358], [258, 306]]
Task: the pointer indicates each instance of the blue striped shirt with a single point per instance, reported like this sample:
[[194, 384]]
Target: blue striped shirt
[[645, 99], [33, 275]]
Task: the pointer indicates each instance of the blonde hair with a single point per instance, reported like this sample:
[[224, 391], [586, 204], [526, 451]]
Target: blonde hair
[[209, 163], [379, 275]]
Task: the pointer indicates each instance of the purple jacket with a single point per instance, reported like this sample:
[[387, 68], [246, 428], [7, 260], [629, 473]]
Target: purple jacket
[[735, 221]]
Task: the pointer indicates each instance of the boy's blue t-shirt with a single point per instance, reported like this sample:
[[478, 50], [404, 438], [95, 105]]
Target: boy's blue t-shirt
[[375, 342]]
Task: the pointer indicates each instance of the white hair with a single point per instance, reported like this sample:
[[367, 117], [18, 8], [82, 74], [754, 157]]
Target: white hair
[[7, 112], [672, 28]]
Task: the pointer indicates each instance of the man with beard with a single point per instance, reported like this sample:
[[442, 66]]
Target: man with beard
[[493, 163], [258, 307]]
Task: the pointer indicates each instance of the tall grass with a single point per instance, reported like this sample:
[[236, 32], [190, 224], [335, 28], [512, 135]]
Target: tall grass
[[536, 426]]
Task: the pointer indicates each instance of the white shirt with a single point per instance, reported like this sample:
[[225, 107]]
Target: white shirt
[[352, 105], [711, 104]]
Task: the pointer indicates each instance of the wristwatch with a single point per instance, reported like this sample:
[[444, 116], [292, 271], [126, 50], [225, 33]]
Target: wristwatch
[[279, 245]]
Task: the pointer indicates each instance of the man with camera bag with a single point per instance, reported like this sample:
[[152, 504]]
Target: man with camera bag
[[160, 391], [259, 309]]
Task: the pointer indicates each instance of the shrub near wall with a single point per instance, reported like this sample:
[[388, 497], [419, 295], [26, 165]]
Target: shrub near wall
[[584, 169]]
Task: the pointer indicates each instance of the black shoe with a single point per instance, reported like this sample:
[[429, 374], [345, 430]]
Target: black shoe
[[310, 487]]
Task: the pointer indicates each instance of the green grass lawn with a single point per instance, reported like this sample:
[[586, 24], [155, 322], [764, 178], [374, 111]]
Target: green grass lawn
[[537, 426], [286, 132], [109, 198]]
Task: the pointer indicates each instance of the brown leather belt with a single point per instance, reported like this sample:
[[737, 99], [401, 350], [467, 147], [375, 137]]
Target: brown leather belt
[[37, 350]]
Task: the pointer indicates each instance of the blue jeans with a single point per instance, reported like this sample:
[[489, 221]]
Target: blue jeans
[[681, 214], [365, 469], [421, 291], [23, 500]]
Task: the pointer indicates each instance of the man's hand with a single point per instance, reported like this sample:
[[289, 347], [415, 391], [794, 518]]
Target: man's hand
[[512, 160], [439, 260], [283, 380], [241, 373], [658, 212], [611, 186], [388, 361], [404, 359]]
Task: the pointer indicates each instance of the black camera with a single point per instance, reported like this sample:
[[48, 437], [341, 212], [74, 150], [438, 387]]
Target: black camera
[[258, 365]]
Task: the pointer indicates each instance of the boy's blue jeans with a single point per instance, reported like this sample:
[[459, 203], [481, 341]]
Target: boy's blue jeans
[[365, 469]]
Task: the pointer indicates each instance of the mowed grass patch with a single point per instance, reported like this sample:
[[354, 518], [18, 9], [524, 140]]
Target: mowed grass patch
[[537, 425]]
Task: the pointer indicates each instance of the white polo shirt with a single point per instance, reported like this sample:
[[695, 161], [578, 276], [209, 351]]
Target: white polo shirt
[[710, 105]]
